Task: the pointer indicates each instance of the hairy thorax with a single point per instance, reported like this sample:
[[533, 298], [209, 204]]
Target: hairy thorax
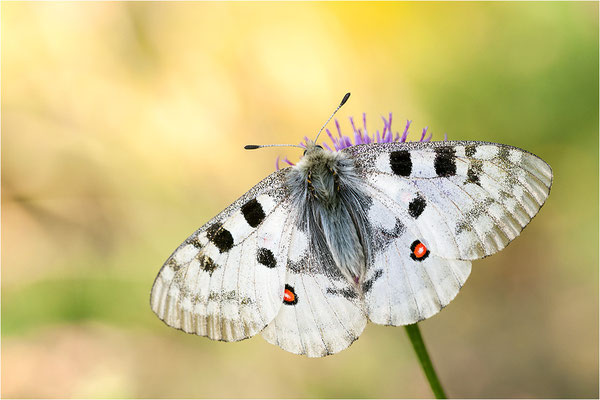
[[329, 192]]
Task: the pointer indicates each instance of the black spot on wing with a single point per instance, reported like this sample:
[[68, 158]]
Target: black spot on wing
[[266, 258], [445, 161], [470, 150], [195, 242], [253, 213], [503, 153], [475, 169], [220, 237], [416, 206], [206, 263], [173, 264], [400, 162], [368, 284]]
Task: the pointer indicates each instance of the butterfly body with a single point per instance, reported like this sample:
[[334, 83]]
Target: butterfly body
[[380, 232], [327, 190]]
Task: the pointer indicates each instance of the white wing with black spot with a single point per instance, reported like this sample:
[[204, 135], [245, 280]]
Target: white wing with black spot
[[322, 312], [437, 206], [471, 198], [226, 281], [423, 211], [405, 281]]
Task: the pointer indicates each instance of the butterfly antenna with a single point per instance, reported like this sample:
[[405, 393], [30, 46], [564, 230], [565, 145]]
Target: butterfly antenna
[[260, 146], [344, 100]]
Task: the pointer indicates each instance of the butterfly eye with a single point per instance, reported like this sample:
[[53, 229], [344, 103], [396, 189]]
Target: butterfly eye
[[304, 153], [321, 147]]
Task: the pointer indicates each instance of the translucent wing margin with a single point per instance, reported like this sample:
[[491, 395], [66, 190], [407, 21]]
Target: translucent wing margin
[[226, 281]]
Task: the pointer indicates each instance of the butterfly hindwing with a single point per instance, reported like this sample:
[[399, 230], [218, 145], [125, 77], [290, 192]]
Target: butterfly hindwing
[[226, 280], [405, 282], [322, 312]]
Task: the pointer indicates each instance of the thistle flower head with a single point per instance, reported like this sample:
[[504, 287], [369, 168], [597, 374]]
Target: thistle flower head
[[362, 136]]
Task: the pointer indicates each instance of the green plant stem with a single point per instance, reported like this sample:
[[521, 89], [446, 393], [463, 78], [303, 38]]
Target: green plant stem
[[417, 341]]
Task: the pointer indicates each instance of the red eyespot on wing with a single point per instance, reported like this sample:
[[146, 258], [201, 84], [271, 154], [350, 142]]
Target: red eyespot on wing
[[419, 251], [289, 295]]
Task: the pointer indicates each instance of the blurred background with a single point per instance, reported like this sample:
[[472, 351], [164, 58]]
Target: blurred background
[[123, 127]]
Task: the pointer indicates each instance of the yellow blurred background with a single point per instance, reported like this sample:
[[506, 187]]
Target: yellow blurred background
[[123, 125]]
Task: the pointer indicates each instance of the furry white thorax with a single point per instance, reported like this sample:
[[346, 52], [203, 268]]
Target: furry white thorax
[[327, 188]]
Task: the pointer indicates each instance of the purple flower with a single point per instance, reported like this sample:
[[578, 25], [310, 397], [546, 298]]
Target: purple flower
[[362, 136]]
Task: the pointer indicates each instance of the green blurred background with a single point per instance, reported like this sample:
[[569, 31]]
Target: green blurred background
[[122, 133]]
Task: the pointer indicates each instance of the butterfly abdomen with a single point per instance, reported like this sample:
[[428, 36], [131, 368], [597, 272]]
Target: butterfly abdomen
[[327, 187]]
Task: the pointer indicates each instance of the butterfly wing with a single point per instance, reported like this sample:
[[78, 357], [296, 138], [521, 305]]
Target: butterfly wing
[[323, 313], [226, 281], [405, 281], [459, 201]]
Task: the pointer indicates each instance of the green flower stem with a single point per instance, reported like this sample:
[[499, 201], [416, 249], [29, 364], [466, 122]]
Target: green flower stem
[[417, 341]]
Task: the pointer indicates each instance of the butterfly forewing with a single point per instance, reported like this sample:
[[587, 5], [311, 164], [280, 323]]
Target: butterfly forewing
[[226, 281], [469, 198]]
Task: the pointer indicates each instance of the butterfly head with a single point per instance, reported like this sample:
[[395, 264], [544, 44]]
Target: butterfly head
[[312, 148], [315, 154]]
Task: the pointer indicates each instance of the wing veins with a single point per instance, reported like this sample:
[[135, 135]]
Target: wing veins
[[398, 214], [312, 314], [412, 292]]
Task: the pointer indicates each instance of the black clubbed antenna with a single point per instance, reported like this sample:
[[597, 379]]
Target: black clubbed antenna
[[344, 100], [260, 146]]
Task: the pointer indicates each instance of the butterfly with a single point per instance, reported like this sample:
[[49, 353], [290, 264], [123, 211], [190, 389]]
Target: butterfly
[[380, 232]]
